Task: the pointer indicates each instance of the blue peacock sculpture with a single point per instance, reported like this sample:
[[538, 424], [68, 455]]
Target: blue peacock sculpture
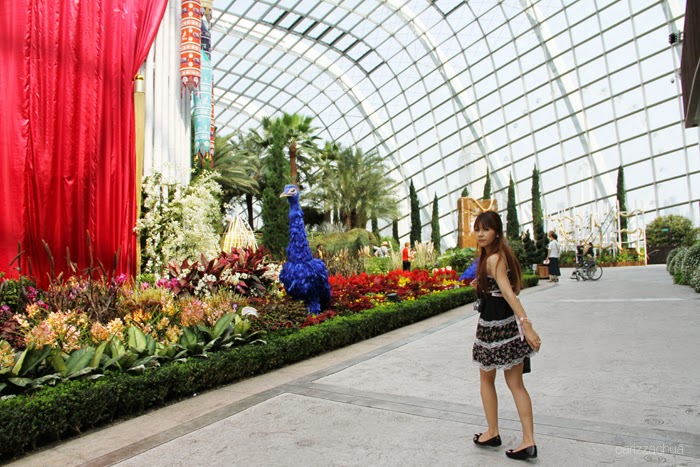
[[303, 276]]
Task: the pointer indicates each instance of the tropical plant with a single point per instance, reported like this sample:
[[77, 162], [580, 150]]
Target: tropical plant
[[242, 270], [512, 223], [235, 168], [416, 224], [358, 187], [300, 139], [435, 226]]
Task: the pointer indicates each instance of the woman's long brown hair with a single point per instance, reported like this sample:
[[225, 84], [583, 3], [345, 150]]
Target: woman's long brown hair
[[491, 220]]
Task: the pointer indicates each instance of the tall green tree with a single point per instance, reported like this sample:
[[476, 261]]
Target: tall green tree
[[530, 249], [465, 192], [512, 223], [375, 226], [358, 187], [275, 210], [300, 139], [416, 225], [487, 186], [622, 202], [538, 218], [395, 230], [435, 226]]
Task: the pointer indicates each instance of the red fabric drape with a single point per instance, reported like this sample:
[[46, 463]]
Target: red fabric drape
[[68, 156]]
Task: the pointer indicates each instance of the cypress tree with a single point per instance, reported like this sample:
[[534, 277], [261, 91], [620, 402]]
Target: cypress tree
[[529, 247], [538, 219], [487, 186], [622, 200], [512, 224], [416, 226], [395, 231], [275, 210], [435, 225], [375, 227], [465, 192]]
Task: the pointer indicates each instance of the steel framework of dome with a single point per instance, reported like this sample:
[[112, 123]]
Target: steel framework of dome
[[446, 89]]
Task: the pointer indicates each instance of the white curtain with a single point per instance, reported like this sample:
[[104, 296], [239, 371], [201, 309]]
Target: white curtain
[[168, 110]]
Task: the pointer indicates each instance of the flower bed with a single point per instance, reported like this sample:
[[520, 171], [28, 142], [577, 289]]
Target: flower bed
[[89, 351]]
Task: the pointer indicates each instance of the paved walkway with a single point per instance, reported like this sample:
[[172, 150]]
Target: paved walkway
[[617, 382]]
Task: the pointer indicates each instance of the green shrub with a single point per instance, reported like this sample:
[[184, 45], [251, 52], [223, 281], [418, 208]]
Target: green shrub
[[671, 230], [150, 279], [458, 258], [377, 265], [691, 262], [338, 241], [694, 280], [669, 259], [678, 279], [522, 255], [677, 260]]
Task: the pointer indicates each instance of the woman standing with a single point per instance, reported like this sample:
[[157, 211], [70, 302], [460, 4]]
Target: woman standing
[[505, 338], [553, 257]]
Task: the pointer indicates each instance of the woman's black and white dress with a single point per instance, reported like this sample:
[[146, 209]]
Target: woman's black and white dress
[[499, 341]]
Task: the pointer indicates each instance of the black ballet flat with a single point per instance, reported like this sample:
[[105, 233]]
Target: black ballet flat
[[491, 442], [529, 452]]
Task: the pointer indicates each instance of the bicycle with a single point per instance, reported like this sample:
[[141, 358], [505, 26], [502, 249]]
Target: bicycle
[[587, 270]]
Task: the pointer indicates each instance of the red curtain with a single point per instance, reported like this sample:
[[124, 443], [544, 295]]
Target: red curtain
[[67, 166]]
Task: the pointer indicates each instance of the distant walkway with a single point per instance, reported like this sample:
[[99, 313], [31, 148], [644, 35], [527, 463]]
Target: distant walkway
[[617, 382]]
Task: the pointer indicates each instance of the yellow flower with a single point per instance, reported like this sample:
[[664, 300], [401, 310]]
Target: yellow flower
[[163, 323], [116, 328], [7, 355], [99, 333], [22, 321], [173, 333], [33, 310], [42, 334]]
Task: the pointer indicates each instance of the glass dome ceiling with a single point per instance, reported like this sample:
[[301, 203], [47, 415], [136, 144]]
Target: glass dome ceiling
[[446, 89]]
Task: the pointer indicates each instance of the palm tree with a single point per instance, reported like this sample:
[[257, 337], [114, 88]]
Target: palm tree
[[251, 156], [234, 170], [301, 141], [358, 187], [325, 161]]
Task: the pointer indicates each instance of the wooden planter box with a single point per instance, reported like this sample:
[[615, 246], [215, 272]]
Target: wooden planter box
[[543, 271]]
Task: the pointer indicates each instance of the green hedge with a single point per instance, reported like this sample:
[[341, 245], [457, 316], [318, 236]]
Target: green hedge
[[55, 413]]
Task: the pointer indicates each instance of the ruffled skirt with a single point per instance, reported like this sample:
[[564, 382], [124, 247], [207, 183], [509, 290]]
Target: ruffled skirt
[[498, 344]]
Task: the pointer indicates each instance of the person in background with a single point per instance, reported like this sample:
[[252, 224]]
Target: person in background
[[385, 249], [553, 251], [590, 251], [406, 256], [579, 253]]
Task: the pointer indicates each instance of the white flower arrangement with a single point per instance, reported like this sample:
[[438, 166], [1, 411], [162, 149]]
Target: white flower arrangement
[[179, 221]]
